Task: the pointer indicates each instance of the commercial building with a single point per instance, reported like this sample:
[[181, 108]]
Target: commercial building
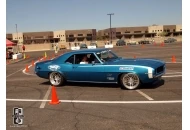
[[141, 32], [63, 36], [80, 35]]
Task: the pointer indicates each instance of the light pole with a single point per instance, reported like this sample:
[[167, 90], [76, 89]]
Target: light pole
[[110, 25], [17, 38]]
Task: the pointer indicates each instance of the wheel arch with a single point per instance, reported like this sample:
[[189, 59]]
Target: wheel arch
[[57, 72], [120, 74]]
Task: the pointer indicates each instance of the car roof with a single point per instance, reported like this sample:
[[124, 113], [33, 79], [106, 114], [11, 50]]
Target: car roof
[[87, 51], [66, 55]]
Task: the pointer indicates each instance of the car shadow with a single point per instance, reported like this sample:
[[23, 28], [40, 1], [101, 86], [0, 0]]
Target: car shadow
[[78, 84], [154, 85], [102, 85], [106, 85], [45, 83]]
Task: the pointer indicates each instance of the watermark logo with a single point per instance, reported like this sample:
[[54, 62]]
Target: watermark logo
[[18, 116]]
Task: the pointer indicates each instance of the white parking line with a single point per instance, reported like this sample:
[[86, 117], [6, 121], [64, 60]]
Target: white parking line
[[13, 73], [29, 67], [22, 71], [133, 52], [45, 97], [172, 76], [175, 73], [98, 102], [15, 61], [173, 62], [171, 70], [145, 95]]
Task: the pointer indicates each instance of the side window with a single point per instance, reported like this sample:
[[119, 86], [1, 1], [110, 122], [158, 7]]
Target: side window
[[80, 58], [86, 58], [93, 58], [70, 60]]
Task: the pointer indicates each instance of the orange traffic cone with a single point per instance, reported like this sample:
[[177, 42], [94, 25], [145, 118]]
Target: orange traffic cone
[[32, 63], [142, 46], [173, 59], [134, 56], [26, 69], [162, 44], [54, 98]]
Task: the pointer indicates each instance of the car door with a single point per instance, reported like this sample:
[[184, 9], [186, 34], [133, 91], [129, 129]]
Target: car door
[[94, 72], [72, 70], [67, 68]]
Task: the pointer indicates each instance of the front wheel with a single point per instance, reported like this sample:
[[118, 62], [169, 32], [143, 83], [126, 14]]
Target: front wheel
[[56, 79], [130, 81]]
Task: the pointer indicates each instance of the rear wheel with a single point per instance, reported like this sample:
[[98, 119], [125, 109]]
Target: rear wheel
[[56, 79], [130, 81]]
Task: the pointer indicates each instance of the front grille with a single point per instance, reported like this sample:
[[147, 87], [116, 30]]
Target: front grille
[[160, 69]]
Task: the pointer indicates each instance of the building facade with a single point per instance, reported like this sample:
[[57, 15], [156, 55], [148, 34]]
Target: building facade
[[59, 36], [63, 36], [126, 32], [156, 29], [80, 35], [38, 37], [18, 38]]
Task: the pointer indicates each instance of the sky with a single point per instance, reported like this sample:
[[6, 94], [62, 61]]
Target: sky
[[52, 15]]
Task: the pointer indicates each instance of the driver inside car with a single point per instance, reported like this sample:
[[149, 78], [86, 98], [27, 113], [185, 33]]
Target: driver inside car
[[84, 60]]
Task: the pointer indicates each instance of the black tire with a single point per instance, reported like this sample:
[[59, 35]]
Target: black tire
[[135, 76], [60, 83]]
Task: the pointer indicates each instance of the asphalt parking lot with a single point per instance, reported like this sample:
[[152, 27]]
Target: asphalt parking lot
[[98, 106]]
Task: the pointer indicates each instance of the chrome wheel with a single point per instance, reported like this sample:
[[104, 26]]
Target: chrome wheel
[[55, 78], [130, 81]]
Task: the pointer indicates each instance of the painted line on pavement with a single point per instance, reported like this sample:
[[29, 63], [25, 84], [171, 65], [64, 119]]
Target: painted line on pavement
[[145, 95], [175, 73], [45, 97], [15, 61], [29, 67], [173, 62], [133, 52], [172, 76], [171, 70], [13, 73], [22, 71], [98, 102]]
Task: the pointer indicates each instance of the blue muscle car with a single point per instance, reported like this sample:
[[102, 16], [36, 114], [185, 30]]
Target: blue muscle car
[[100, 66]]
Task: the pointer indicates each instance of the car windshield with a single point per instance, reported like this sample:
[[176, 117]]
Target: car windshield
[[106, 55]]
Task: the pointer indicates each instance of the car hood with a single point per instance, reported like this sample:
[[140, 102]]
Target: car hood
[[154, 63]]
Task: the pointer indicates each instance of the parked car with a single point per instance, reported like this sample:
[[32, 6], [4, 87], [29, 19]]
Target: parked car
[[83, 46], [62, 47], [170, 40], [120, 43], [93, 44], [145, 42], [132, 42], [102, 66]]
